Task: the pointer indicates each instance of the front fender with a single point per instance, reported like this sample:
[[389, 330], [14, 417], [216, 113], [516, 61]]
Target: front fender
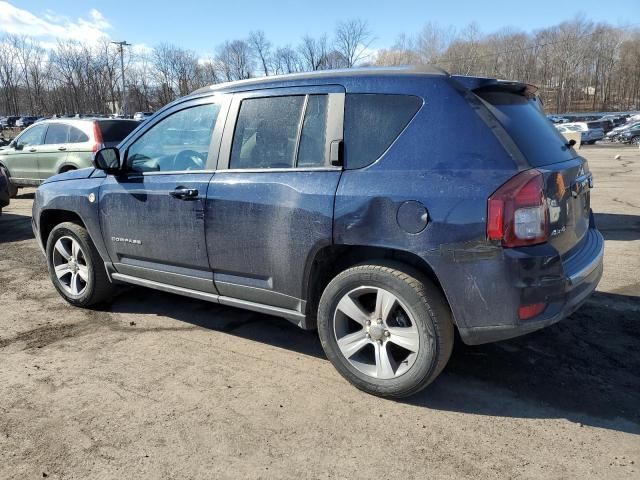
[[55, 199]]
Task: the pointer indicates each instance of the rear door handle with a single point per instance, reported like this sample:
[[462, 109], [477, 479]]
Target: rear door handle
[[62, 148], [182, 193]]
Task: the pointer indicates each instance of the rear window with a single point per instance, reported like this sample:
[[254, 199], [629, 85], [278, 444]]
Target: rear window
[[536, 137], [372, 122], [116, 130]]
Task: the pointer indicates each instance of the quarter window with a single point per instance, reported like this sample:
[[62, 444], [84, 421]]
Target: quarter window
[[178, 142], [281, 132], [372, 122]]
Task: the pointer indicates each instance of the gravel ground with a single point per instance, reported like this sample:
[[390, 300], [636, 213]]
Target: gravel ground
[[160, 386]]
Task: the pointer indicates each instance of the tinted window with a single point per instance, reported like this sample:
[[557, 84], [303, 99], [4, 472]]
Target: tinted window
[[56, 133], [77, 136], [33, 136], [313, 140], [114, 131], [267, 132], [538, 140], [372, 122], [178, 142]]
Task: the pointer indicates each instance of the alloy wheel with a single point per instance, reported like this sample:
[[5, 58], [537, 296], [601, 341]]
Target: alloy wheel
[[375, 332], [70, 266]]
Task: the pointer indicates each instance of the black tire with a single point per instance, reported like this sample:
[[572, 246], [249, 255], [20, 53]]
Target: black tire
[[424, 302], [635, 140], [98, 287], [13, 190]]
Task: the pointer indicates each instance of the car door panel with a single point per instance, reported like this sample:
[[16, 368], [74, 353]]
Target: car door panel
[[264, 225], [152, 215], [23, 162], [151, 234]]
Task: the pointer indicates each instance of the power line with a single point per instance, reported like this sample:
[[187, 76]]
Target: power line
[[532, 47]]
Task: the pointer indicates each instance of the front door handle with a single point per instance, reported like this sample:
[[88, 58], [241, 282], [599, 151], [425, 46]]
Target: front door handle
[[182, 193], [33, 149], [62, 149]]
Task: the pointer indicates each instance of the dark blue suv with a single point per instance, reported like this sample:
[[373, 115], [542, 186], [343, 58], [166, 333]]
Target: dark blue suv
[[387, 208]]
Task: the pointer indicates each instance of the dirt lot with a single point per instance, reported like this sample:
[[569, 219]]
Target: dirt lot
[[159, 386]]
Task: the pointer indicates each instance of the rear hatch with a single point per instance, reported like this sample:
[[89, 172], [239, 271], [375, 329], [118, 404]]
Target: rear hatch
[[566, 175], [114, 131]]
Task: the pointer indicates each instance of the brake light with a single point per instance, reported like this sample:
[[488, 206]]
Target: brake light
[[517, 212], [97, 137], [525, 312]]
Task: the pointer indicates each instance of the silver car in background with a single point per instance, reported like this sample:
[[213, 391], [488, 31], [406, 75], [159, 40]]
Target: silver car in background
[[589, 134]]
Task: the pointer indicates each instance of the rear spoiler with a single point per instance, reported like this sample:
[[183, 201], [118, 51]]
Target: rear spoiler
[[480, 84]]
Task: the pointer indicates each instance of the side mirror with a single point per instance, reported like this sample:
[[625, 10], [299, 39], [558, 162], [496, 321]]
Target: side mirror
[[571, 143], [15, 145], [107, 159]]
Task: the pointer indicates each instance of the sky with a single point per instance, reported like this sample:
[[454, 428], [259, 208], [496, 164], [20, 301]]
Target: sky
[[202, 25]]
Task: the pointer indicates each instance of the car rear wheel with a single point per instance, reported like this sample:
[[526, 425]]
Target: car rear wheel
[[636, 140], [386, 328], [75, 266]]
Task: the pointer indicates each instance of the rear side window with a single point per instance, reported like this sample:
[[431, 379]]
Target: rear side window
[[372, 122], [116, 130], [77, 136], [281, 132], [56, 133], [535, 136]]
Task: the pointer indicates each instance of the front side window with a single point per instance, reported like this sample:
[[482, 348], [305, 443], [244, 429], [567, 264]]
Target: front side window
[[178, 142], [281, 132], [56, 133], [31, 137]]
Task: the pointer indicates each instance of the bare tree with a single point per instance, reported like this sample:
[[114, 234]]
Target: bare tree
[[353, 38], [285, 60], [261, 48], [313, 52], [236, 59]]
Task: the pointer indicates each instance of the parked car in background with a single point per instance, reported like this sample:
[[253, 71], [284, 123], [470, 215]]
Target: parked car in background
[[615, 133], [557, 119], [8, 122], [329, 199], [24, 122], [59, 145], [140, 116], [631, 135], [590, 134], [4, 190]]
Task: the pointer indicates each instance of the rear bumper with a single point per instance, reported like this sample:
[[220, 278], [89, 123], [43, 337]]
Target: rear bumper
[[564, 295]]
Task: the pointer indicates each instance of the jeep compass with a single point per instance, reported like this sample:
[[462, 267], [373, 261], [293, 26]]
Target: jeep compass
[[386, 208]]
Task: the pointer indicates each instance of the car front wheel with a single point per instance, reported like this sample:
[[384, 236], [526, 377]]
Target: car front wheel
[[75, 266], [387, 329]]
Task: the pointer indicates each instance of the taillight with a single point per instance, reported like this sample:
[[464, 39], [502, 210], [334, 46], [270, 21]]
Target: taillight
[[517, 212], [525, 312], [97, 137]]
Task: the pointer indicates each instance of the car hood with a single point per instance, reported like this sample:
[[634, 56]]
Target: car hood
[[71, 175]]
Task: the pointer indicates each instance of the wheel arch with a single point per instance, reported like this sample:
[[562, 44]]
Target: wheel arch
[[333, 259], [51, 217], [65, 167]]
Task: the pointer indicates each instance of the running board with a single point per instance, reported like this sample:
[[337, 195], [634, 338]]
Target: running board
[[291, 315]]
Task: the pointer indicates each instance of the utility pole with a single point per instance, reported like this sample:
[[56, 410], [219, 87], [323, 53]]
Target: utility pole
[[121, 46]]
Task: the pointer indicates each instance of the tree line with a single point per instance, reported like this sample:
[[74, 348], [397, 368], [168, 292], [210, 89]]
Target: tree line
[[578, 65]]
